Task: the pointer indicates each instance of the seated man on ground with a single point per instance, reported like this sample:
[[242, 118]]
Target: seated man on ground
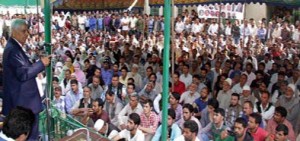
[[17, 125]]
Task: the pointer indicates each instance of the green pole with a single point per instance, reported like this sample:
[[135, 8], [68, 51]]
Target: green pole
[[166, 62], [47, 15]]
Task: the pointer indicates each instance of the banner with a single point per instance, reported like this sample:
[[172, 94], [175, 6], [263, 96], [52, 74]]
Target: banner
[[228, 11]]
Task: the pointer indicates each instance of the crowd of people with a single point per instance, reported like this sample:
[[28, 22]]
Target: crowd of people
[[232, 80]]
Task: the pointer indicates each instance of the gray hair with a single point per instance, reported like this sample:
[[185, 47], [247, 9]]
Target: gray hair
[[134, 94], [16, 23]]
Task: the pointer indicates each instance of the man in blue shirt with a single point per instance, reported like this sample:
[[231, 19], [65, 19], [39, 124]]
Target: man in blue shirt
[[202, 101], [72, 96], [93, 23], [173, 129], [99, 22], [106, 73]]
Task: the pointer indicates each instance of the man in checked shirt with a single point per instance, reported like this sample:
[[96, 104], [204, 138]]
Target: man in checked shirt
[[149, 120]]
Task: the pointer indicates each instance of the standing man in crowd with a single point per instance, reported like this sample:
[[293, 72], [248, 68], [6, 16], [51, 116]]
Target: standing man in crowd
[[20, 86]]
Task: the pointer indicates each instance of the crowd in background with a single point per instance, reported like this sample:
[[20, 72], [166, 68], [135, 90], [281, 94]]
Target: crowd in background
[[228, 74]]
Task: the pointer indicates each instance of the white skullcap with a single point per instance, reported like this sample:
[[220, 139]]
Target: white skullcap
[[99, 124], [229, 81], [246, 88], [135, 66], [292, 86]]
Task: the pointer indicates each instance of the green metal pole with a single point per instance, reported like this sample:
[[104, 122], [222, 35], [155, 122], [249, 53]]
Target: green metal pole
[[47, 15], [166, 62]]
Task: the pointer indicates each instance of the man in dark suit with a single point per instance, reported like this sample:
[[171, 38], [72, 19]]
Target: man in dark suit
[[19, 82]]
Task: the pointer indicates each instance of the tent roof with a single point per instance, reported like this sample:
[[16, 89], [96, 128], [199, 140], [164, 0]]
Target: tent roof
[[286, 3], [17, 2], [121, 4], [95, 4]]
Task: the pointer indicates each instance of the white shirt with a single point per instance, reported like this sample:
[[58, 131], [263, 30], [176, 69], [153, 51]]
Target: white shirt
[[181, 138], [237, 88], [125, 20], [187, 80], [186, 97], [245, 31], [139, 135], [81, 19], [268, 65], [250, 78], [276, 33], [133, 21], [179, 27], [227, 31], [253, 31], [213, 29], [296, 36], [266, 115], [127, 111], [196, 28], [4, 137]]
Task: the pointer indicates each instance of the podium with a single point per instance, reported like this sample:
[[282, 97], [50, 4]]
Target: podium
[[81, 135]]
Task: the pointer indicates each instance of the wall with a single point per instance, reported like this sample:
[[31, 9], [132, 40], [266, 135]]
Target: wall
[[256, 11]]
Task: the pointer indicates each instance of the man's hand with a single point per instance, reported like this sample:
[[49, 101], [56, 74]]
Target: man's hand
[[224, 134], [46, 60]]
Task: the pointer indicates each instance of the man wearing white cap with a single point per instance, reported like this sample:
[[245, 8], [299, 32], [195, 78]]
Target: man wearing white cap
[[246, 95], [288, 100], [225, 94], [106, 129], [290, 103]]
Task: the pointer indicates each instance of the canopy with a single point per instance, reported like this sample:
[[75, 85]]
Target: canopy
[[18, 2], [286, 3], [95, 4]]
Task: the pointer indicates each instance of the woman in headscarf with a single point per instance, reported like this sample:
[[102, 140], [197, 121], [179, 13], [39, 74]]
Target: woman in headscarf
[[79, 74]]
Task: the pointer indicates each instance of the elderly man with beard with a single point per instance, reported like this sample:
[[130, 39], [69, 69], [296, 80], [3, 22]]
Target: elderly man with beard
[[131, 133], [106, 129], [82, 107], [96, 88], [191, 95], [132, 107], [289, 99]]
